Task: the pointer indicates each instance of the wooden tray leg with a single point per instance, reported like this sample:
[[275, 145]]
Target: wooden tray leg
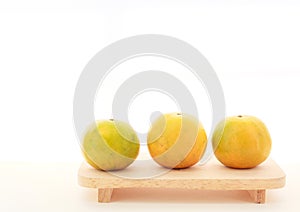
[[258, 196], [104, 194]]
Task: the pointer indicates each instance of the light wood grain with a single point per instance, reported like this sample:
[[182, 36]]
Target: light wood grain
[[104, 194], [258, 196], [211, 176]]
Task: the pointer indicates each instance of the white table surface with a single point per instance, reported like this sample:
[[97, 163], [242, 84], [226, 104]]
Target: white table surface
[[53, 187]]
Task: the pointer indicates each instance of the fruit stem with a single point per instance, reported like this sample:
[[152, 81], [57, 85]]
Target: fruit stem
[[240, 116]]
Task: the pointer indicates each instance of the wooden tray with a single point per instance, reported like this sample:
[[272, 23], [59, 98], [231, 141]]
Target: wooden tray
[[211, 176]]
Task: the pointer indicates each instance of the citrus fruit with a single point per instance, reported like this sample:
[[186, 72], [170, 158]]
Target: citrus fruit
[[241, 142], [176, 140], [110, 145]]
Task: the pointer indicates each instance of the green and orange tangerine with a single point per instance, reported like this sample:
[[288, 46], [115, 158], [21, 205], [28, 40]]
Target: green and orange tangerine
[[176, 140], [110, 145], [241, 142]]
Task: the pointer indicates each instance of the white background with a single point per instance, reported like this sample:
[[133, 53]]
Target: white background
[[254, 47]]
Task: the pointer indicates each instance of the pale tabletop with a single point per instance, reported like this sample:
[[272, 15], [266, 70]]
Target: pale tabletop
[[53, 186]]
